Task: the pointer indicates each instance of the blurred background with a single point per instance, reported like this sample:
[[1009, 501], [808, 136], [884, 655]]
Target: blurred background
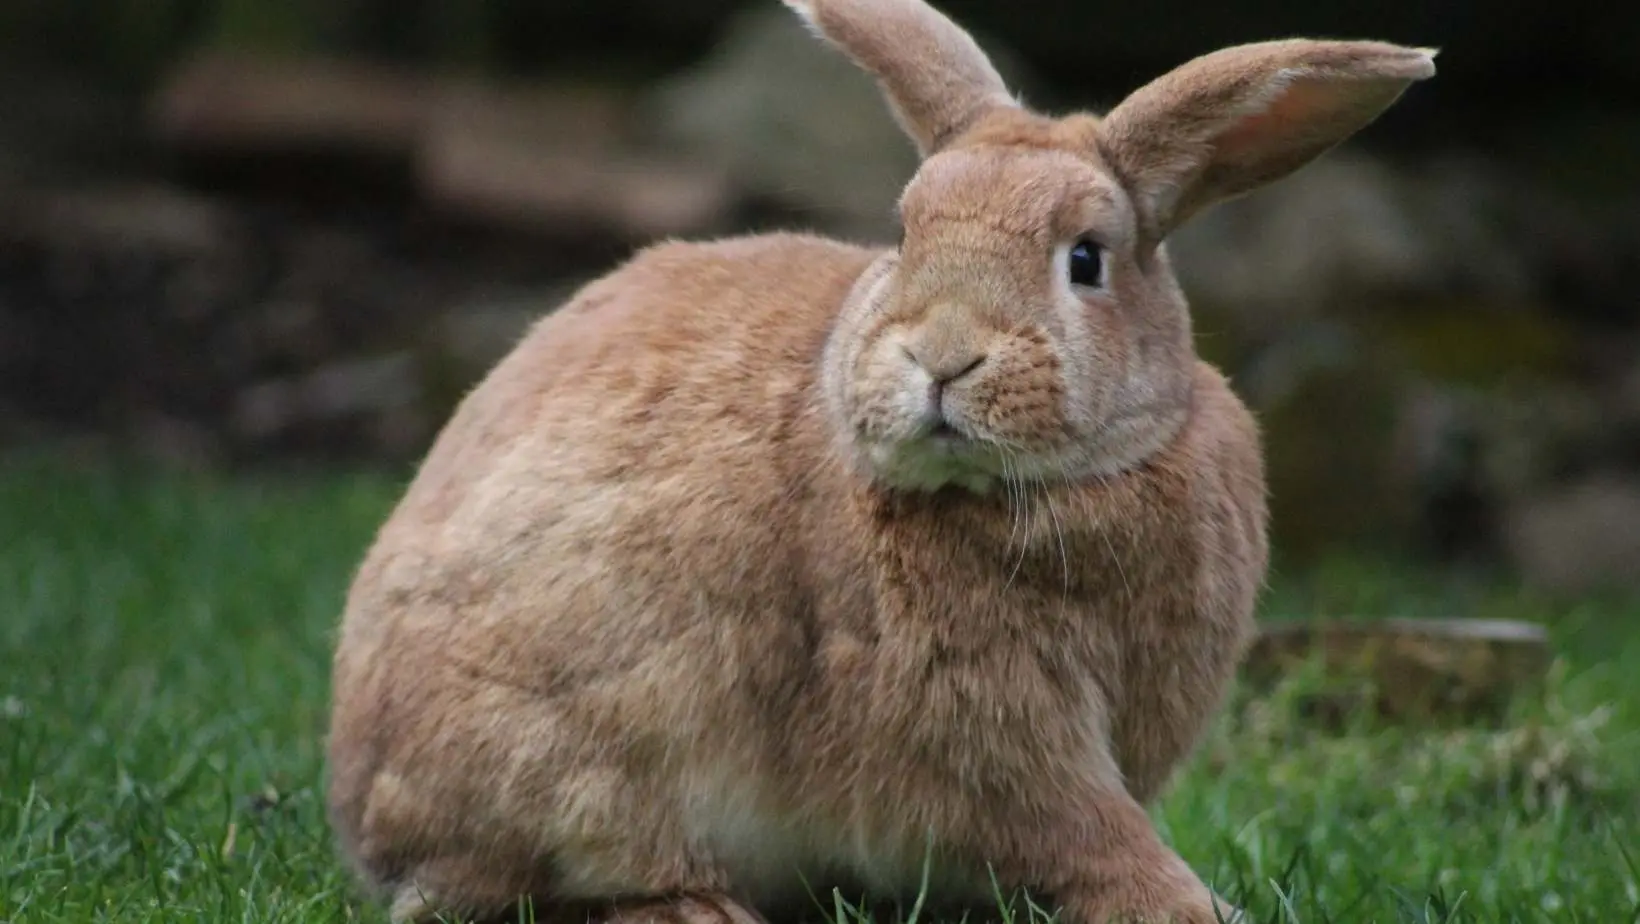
[[249, 234]]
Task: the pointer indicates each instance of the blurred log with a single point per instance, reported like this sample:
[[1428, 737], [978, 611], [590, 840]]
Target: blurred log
[[295, 129], [560, 160], [1438, 671], [234, 103], [546, 159], [1578, 538], [492, 181], [379, 393]]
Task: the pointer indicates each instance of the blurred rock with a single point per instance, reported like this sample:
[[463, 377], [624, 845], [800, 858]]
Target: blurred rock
[[797, 124], [1404, 670], [1351, 235], [384, 390], [97, 283], [1538, 435], [146, 218], [1424, 343], [1436, 459], [199, 330], [1578, 538], [1472, 458], [1328, 405], [1338, 230], [1506, 240], [176, 443]]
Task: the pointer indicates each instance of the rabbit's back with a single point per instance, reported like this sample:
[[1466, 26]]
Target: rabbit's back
[[686, 346], [563, 588]]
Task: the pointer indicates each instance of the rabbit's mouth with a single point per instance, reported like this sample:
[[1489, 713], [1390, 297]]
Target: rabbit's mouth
[[945, 435], [942, 431]]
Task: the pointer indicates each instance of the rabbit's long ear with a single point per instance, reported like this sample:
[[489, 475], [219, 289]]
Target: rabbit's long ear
[[936, 78], [1231, 121]]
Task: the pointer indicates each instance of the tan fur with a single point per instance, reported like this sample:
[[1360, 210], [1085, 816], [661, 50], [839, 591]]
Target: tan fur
[[687, 609]]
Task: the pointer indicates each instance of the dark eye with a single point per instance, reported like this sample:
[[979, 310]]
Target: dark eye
[[1087, 265]]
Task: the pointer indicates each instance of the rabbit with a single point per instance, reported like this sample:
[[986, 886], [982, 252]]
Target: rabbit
[[771, 561]]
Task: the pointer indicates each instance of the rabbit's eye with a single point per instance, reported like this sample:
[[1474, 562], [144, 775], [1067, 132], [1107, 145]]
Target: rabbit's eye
[[1087, 265]]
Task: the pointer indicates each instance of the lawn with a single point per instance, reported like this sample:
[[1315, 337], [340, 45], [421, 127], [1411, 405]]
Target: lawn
[[164, 647]]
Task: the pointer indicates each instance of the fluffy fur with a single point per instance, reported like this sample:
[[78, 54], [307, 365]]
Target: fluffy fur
[[776, 562]]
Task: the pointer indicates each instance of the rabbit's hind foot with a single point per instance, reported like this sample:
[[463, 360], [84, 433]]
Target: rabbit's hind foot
[[411, 906]]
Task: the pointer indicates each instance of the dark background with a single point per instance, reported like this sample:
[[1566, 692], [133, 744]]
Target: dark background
[[240, 233]]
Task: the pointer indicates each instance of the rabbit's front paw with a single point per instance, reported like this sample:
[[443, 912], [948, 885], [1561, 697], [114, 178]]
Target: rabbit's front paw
[[1182, 910], [1163, 893]]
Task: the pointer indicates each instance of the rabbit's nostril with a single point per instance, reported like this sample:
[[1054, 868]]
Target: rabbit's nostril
[[970, 367]]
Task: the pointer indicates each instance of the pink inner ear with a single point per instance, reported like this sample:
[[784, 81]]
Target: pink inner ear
[[1303, 109]]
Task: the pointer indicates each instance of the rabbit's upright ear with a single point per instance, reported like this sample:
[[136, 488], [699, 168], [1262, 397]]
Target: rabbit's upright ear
[[1231, 121], [936, 78]]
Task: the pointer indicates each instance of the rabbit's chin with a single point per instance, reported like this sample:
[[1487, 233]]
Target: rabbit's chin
[[933, 463]]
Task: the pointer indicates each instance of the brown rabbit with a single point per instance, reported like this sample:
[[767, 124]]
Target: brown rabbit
[[776, 562]]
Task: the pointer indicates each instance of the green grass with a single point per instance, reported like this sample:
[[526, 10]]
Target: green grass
[[164, 649]]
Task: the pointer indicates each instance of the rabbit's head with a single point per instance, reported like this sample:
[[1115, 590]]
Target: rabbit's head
[[1029, 325]]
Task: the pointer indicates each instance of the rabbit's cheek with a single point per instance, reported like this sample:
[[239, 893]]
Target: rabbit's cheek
[[1021, 401], [890, 399], [878, 404]]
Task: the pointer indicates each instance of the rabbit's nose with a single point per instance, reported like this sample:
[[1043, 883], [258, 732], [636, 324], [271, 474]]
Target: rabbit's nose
[[943, 370], [945, 346], [946, 366]]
